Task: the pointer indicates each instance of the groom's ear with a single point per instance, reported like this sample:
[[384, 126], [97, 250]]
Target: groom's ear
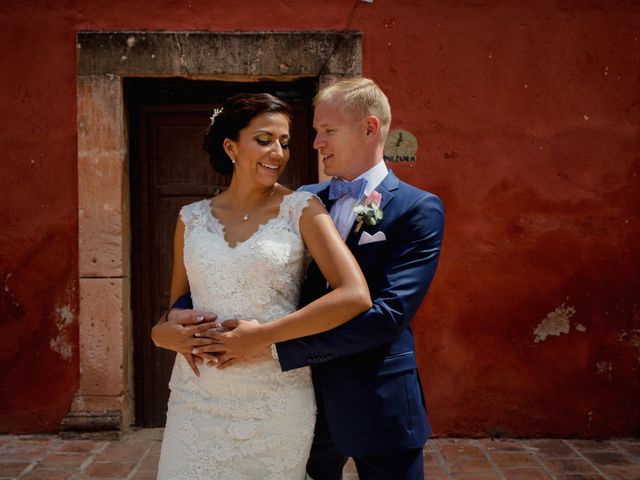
[[372, 125]]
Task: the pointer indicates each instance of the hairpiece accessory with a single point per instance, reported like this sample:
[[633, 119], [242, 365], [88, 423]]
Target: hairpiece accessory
[[216, 112]]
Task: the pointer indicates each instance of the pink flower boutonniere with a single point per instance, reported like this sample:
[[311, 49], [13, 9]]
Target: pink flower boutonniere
[[369, 211]]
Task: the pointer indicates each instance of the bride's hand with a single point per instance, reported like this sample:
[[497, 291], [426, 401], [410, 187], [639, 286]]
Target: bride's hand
[[244, 343], [178, 334]]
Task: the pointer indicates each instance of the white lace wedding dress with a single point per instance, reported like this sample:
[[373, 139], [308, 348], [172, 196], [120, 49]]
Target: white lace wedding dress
[[243, 422]]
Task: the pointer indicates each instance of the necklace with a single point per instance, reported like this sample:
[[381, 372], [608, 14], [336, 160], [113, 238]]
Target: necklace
[[246, 215]]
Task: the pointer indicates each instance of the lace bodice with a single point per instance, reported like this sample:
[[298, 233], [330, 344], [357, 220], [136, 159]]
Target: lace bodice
[[246, 422], [257, 278]]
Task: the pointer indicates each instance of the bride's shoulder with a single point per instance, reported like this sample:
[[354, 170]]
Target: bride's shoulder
[[300, 198], [195, 209]]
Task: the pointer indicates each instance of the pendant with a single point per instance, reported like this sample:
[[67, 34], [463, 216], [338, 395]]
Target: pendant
[[245, 217]]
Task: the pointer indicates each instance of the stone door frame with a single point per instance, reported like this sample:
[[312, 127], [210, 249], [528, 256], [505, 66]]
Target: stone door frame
[[104, 397]]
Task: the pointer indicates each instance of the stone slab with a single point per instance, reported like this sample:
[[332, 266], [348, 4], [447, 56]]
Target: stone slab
[[259, 55]]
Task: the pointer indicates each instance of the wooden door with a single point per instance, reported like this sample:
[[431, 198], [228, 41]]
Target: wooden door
[[169, 169]]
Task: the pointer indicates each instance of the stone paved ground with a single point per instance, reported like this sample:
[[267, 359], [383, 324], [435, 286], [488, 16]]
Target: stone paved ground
[[135, 456]]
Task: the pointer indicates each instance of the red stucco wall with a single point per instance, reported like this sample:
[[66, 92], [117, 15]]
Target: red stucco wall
[[528, 120]]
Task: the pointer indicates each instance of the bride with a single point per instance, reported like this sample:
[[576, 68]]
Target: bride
[[243, 255]]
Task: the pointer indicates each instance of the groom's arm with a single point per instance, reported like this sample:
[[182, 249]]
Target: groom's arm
[[408, 271], [183, 303]]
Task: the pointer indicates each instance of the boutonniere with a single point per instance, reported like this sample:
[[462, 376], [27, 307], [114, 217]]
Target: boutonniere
[[369, 211]]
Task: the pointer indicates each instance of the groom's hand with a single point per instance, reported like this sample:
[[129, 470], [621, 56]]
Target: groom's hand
[[242, 342], [178, 333], [263, 355]]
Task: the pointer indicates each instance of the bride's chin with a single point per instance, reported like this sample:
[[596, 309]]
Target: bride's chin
[[268, 181]]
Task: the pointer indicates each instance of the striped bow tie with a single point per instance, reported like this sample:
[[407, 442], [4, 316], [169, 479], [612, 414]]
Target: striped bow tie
[[340, 188]]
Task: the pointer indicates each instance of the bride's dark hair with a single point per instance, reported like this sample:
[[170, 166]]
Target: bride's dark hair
[[237, 112]]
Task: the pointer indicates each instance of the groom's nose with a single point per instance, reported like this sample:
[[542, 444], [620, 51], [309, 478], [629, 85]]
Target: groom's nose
[[318, 141]]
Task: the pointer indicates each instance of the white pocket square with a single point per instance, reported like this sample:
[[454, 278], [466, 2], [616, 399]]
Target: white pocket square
[[376, 237]]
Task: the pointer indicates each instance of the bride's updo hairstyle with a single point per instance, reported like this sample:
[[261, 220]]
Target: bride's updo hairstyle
[[237, 112]]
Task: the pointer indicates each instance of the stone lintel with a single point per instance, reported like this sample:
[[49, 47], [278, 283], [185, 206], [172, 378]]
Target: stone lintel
[[206, 54]]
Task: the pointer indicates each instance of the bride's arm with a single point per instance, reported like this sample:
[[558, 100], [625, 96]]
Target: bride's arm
[[178, 334], [349, 295], [179, 280]]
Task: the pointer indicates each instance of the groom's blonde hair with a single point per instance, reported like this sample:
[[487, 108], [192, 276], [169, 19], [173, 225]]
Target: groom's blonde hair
[[363, 97]]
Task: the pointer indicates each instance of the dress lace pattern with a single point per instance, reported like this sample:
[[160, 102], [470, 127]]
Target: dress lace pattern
[[244, 422]]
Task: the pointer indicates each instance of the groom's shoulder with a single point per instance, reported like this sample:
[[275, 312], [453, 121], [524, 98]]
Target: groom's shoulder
[[314, 187], [412, 195], [418, 207]]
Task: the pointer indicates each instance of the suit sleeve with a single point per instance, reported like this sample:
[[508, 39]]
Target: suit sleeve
[[184, 302], [409, 267]]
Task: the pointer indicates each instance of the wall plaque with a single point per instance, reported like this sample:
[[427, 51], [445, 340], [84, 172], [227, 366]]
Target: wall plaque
[[401, 146]]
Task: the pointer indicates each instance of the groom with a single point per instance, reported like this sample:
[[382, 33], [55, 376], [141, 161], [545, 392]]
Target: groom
[[370, 402]]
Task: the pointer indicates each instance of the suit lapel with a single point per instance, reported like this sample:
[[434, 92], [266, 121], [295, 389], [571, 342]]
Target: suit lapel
[[353, 237], [386, 189]]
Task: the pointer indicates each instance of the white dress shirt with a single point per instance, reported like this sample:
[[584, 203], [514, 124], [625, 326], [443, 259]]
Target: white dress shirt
[[342, 210]]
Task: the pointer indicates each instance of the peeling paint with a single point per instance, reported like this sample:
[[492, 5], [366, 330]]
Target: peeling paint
[[604, 367], [66, 314], [631, 339], [10, 307], [555, 323], [580, 327], [61, 343]]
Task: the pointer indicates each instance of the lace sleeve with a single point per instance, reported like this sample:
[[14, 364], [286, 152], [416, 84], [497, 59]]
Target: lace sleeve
[[186, 214], [299, 201], [192, 214]]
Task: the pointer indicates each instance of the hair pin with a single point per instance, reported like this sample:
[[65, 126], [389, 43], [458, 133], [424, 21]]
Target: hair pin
[[216, 112]]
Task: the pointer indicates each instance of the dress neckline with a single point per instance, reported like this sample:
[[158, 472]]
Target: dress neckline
[[223, 227]]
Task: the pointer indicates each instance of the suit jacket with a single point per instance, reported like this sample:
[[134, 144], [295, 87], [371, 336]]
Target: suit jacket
[[365, 370]]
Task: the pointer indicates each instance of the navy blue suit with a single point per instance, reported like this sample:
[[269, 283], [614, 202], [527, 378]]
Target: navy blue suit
[[365, 371], [370, 401]]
